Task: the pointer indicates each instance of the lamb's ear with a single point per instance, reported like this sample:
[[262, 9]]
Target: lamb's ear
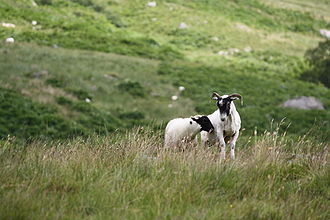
[[193, 118], [196, 117]]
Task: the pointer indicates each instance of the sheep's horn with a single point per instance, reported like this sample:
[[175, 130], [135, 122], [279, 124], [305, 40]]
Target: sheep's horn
[[236, 95], [214, 94]]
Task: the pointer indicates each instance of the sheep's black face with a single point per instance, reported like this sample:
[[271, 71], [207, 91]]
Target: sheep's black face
[[205, 123], [223, 104]]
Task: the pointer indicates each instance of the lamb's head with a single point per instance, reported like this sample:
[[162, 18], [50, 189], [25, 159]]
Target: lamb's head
[[204, 122], [224, 103]]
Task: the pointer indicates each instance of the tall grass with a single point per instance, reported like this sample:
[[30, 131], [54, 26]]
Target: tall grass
[[134, 177]]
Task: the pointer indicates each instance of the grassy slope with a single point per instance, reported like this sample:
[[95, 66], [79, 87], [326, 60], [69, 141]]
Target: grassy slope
[[72, 76], [132, 177], [316, 8], [278, 38]]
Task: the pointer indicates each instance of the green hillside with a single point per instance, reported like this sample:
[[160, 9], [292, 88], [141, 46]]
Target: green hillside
[[103, 66]]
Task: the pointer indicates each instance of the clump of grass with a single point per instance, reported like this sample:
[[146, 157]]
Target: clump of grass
[[44, 2], [133, 176], [58, 82], [319, 60], [134, 88], [93, 120], [133, 117], [185, 39], [81, 94]]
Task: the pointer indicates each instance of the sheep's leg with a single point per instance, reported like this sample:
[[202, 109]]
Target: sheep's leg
[[233, 144], [222, 149], [204, 143]]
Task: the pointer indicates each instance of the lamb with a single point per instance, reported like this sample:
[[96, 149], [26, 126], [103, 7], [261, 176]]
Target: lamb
[[184, 130], [226, 122]]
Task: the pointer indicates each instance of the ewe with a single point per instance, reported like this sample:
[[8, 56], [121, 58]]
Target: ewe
[[226, 122]]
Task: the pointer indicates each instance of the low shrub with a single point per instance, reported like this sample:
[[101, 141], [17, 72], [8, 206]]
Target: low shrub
[[319, 59], [133, 88], [57, 81], [81, 94], [134, 115], [44, 2], [23, 118]]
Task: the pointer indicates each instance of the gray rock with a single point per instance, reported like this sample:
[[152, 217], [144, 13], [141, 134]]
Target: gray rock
[[303, 102], [183, 25], [42, 73], [325, 33]]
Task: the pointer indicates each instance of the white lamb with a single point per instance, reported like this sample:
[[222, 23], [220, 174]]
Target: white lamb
[[184, 130]]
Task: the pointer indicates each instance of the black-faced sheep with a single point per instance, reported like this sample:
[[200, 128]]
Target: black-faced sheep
[[226, 122]]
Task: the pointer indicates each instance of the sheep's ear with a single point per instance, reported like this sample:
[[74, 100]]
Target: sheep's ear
[[236, 96], [215, 96], [193, 118]]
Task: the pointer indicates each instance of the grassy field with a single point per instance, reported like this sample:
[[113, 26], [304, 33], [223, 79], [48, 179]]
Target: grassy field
[[86, 92], [132, 177]]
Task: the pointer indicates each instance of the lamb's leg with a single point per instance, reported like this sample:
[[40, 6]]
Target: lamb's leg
[[204, 139], [233, 144]]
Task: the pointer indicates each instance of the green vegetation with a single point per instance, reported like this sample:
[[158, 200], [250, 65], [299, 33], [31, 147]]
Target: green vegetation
[[69, 24], [85, 95], [22, 118], [263, 94], [118, 88], [319, 59], [133, 88], [259, 14], [63, 80], [132, 177]]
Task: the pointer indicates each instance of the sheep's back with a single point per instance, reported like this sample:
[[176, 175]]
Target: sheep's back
[[177, 129]]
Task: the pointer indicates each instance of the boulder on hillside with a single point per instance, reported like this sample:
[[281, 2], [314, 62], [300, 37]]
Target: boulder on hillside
[[325, 33], [152, 4], [183, 25], [40, 74], [303, 102]]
